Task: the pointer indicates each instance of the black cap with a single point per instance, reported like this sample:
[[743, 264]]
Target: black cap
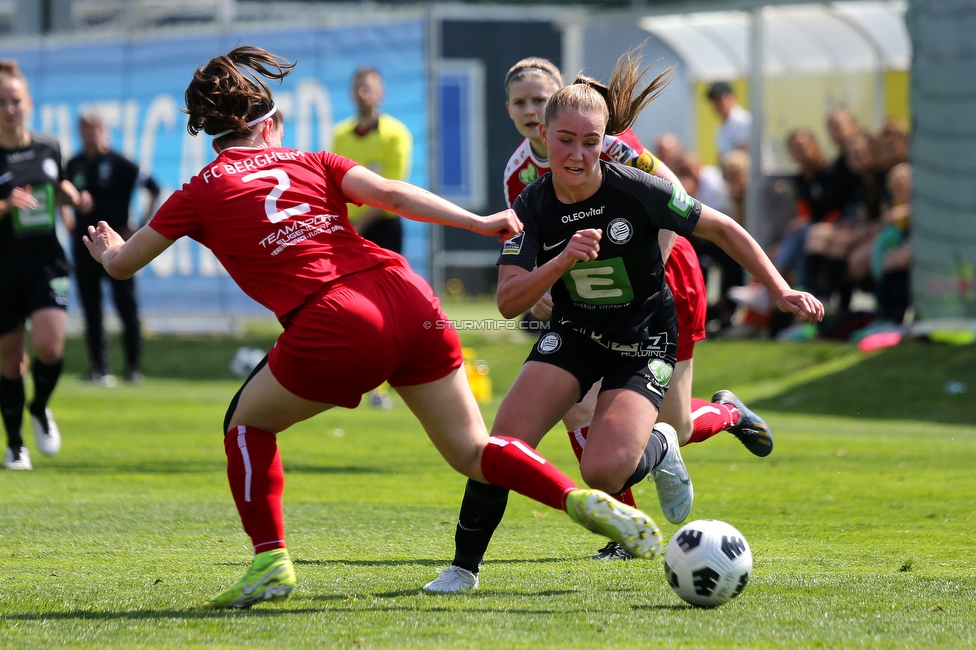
[[718, 89]]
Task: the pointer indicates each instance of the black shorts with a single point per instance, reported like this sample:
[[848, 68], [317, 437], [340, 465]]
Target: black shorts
[[386, 232], [644, 368], [26, 290]]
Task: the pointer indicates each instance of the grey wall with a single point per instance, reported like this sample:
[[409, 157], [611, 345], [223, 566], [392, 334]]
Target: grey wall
[[499, 45]]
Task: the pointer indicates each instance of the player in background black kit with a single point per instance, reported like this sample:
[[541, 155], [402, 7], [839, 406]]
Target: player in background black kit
[[110, 179], [33, 269]]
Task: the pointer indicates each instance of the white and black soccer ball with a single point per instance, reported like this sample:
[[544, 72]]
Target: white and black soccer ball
[[708, 562], [245, 360]]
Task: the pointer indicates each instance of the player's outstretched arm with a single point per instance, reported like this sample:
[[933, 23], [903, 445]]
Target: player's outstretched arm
[[121, 258], [366, 187], [739, 244]]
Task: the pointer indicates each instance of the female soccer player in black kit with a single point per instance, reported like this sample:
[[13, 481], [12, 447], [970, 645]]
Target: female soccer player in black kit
[[33, 269], [591, 234]]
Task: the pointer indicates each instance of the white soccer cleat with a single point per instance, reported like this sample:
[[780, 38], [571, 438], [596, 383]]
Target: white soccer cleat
[[21, 460], [670, 477], [47, 437], [452, 580]]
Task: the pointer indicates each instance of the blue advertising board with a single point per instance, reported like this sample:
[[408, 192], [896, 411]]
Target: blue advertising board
[[137, 85]]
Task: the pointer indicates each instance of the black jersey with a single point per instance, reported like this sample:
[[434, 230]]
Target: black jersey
[[28, 237], [110, 179], [622, 294]]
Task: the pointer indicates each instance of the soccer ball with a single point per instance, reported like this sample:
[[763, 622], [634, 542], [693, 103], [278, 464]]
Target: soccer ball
[[708, 563], [245, 360]]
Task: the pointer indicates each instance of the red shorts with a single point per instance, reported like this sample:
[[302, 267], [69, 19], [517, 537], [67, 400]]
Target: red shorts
[[683, 275], [383, 324]]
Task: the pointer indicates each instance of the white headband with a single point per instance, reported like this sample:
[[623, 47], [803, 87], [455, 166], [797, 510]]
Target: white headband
[[273, 110]]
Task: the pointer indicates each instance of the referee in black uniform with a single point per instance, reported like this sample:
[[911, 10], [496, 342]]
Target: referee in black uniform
[[110, 179]]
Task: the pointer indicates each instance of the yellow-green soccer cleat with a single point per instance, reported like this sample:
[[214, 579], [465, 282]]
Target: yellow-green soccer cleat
[[271, 578], [606, 516]]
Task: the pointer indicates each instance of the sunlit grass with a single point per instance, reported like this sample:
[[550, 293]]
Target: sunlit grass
[[861, 526]]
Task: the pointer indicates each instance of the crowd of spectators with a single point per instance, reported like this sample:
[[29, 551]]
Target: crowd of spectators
[[846, 238]]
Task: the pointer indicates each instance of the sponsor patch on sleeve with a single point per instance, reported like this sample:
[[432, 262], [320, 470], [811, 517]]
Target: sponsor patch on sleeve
[[514, 245], [680, 201]]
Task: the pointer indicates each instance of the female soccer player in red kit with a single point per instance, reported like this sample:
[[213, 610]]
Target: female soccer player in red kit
[[354, 314]]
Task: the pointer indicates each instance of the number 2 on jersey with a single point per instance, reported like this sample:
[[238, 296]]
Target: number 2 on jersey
[[283, 183]]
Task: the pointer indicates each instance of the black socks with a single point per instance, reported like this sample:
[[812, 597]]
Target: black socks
[[12, 400], [657, 446], [482, 510], [45, 379]]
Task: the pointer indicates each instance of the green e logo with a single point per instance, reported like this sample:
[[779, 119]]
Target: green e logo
[[601, 282], [680, 201]]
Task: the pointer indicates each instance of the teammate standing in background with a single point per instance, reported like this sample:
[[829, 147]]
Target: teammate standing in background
[[33, 269], [354, 314], [592, 236], [383, 145], [109, 179]]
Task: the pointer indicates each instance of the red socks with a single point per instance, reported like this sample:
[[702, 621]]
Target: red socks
[[515, 465], [709, 418], [578, 440], [257, 482]]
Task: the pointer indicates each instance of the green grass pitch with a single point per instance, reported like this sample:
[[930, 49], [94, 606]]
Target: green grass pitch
[[862, 522]]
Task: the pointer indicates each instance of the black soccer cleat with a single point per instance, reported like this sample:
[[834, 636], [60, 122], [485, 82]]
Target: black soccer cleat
[[751, 430], [613, 551]]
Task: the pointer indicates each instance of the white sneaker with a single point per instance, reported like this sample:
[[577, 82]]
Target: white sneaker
[[452, 580], [99, 379], [106, 380], [380, 401], [21, 461], [670, 477], [47, 437]]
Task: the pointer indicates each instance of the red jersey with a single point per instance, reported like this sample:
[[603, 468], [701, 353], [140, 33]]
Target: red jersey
[[683, 274], [276, 219], [524, 166]]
